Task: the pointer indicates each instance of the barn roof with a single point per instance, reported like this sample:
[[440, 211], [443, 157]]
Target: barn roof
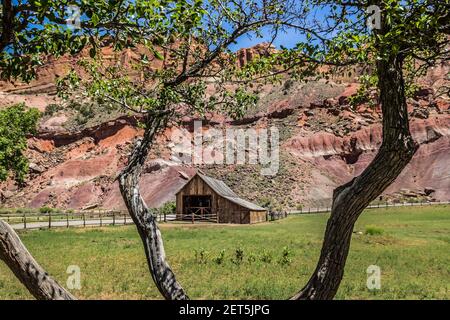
[[224, 191], [218, 186]]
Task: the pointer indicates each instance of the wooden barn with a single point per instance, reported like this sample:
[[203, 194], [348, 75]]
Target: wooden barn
[[208, 199]]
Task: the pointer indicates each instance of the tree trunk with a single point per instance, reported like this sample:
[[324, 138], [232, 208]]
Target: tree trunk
[[160, 270], [26, 269], [351, 199]]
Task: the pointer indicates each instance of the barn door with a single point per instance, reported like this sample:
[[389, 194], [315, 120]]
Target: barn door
[[199, 206]]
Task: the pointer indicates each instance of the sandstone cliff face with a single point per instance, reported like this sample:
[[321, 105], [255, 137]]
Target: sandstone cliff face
[[341, 159], [324, 142], [246, 55]]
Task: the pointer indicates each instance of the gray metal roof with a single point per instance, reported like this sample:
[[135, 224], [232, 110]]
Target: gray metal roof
[[218, 186], [223, 190]]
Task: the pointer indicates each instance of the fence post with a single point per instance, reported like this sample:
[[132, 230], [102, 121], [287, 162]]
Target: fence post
[[24, 221], [67, 219], [101, 221], [114, 218], [165, 217], [125, 218], [49, 220], [193, 218], [84, 220]]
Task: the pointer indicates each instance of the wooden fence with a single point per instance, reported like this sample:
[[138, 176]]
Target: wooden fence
[[276, 215], [373, 206], [32, 220], [111, 217], [195, 217]]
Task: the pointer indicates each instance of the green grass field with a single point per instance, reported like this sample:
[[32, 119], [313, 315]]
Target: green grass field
[[410, 245]]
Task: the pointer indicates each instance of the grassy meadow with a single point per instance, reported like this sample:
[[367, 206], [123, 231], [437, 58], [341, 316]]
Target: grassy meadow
[[265, 261]]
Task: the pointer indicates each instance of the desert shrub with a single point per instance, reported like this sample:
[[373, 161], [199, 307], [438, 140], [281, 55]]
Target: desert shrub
[[52, 108], [288, 85], [373, 230]]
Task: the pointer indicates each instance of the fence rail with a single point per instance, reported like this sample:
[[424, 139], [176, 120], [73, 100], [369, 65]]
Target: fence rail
[[373, 206], [73, 219], [195, 217], [103, 218]]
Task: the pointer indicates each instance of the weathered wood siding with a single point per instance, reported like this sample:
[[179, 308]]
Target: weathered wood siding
[[258, 216], [196, 187], [227, 211]]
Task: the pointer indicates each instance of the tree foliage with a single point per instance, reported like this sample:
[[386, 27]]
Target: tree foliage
[[16, 122]]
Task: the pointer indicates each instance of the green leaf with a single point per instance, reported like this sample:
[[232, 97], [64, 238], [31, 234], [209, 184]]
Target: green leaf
[[158, 55], [95, 19]]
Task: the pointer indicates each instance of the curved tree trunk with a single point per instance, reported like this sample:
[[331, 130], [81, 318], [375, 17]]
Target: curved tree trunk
[[351, 199], [26, 269], [160, 270]]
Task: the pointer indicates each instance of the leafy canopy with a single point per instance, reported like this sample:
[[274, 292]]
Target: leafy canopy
[[32, 29], [16, 122]]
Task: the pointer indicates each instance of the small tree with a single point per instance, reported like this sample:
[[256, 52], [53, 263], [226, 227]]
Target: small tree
[[15, 124]]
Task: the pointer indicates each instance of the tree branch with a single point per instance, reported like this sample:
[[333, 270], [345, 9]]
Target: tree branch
[[161, 273], [26, 269]]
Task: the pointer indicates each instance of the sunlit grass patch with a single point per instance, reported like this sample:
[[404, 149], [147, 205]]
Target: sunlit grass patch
[[411, 251]]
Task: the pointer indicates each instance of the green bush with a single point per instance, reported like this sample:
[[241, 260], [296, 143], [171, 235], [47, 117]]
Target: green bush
[[5, 211], [168, 208], [46, 209], [373, 230]]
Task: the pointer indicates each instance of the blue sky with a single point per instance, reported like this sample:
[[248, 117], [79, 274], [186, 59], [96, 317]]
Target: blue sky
[[288, 39]]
